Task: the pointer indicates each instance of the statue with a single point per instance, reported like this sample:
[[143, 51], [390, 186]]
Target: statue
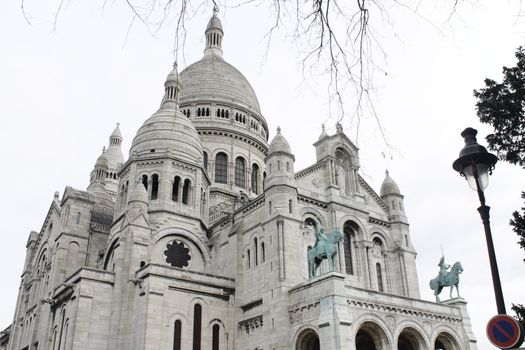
[[446, 278], [325, 248]]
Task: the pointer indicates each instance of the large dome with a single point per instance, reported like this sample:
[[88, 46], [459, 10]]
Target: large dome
[[212, 78]]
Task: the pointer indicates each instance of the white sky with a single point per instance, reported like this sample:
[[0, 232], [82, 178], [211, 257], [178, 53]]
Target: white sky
[[63, 91]]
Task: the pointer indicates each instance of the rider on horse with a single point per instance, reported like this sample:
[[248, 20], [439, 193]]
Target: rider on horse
[[443, 271], [320, 242]]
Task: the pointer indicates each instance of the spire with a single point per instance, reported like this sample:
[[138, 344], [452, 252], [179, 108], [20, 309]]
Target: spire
[[323, 133], [214, 35], [115, 139], [172, 86]]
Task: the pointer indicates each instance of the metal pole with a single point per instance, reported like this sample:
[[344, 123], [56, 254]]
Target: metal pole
[[484, 212]]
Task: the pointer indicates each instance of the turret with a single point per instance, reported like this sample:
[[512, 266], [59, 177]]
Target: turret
[[214, 35], [392, 196], [279, 162], [99, 173]]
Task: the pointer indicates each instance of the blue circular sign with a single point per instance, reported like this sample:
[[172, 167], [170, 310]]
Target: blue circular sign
[[505, 332]]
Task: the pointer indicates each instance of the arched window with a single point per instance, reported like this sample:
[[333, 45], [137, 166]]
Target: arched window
[[379, 277], [240, 172], [263, 253], [221, 168], [248, 257], [215, 337], [78, 218], [154, 186], [256, 251], [186, 191], [145, 181], [255, 178], [290, 206], [175, 189], [270, 208], [349, 235], [205, 160], [197, 320], [207, 112], [177, 333], [278, 165]]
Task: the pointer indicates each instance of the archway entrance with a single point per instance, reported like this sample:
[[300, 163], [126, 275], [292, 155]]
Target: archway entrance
[[371, 336], [445, 341], [308, 340], [364, 341], [410, 339]]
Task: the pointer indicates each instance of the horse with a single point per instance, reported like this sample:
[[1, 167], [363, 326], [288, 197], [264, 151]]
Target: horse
[[326, 250], [452, 280]]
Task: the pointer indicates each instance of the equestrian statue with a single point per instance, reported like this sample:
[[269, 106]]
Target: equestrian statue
[[325, 248], [446, 278]]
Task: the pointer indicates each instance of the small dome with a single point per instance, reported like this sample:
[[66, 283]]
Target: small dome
[[116, 133], [389, 186], [279, 144], [168, 130], [214, 23], [114, 152], [173, 76], [102, 161]]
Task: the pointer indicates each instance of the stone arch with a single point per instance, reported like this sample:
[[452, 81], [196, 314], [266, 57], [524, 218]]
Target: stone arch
[[445, 339], [314, 213], [109, 252], [383, 236], [361, 230], [307, 339], [410, 337], [371, 335]]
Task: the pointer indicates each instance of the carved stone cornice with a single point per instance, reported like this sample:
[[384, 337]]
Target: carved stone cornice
[[403, 311]]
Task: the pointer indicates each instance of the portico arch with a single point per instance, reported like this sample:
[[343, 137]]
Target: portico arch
[[410, 339], [308, 340], [445, 341], [370, 336]]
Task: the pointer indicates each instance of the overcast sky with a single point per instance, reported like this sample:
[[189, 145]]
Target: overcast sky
[[64, 91]]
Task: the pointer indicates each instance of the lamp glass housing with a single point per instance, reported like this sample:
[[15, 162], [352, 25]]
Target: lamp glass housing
[[482, 173]]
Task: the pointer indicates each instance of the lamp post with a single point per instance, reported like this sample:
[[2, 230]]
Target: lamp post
[[476, 164]]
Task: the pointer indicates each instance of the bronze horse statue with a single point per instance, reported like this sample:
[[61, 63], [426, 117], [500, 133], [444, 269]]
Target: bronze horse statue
[[325, 248], [448, 279]]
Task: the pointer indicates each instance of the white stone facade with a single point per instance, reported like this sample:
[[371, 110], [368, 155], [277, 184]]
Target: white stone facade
[[199, 240]]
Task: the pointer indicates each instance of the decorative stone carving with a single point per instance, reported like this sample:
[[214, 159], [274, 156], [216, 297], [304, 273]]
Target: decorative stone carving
[[251, 324], [304, 313]]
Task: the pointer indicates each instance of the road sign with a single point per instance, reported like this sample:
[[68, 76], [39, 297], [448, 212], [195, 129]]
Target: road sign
[[505, 332]]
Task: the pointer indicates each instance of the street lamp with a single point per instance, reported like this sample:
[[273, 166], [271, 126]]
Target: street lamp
[[476, 164]]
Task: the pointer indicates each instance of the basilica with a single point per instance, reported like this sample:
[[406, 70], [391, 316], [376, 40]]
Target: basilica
[[207, 237]]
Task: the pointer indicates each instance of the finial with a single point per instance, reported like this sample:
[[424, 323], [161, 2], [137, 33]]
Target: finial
[[386, 172], [175, 66], [118, 124], [278, 129], [215, 9], [339, 127], [322, 126], [103, 149]]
